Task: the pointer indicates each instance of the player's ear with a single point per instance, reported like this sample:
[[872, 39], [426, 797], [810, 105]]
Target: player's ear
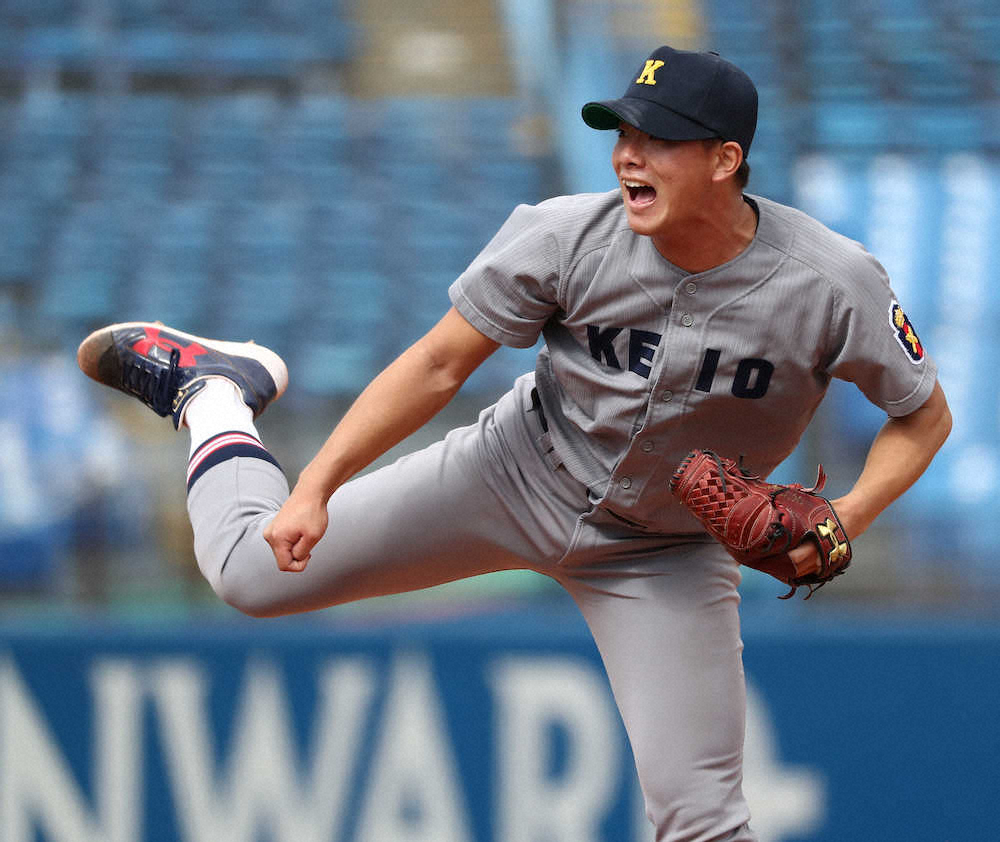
[[729, 156]]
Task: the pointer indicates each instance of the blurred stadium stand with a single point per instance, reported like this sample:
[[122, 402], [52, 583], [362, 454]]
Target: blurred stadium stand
[[173, 37], [315, 173]]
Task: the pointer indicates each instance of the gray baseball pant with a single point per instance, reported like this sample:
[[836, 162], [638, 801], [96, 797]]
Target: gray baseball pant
[[663, 610]]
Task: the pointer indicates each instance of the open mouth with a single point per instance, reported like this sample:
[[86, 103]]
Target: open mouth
[[639, 193]]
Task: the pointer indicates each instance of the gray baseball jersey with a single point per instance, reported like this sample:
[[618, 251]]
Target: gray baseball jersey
[[643, 361]]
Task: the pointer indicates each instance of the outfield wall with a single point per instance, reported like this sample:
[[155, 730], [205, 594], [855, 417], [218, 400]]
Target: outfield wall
[[499, 727]]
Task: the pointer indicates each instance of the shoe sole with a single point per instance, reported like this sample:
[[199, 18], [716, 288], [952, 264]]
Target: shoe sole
[[93, 347]]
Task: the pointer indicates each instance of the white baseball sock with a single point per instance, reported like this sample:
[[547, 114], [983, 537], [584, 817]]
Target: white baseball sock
[[218, 408]]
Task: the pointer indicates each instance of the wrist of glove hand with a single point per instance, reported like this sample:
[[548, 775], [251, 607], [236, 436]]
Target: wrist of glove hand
[[760, 522]]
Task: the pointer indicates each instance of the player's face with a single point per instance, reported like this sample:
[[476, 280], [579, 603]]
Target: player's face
[[663, 182]]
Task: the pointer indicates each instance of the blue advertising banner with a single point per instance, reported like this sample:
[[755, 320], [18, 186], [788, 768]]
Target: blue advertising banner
[[490, 729]]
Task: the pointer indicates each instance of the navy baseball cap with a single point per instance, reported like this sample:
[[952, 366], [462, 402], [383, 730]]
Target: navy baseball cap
[[682, 95]]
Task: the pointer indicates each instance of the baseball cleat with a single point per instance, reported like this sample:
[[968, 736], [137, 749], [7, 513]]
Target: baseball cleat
[[165, 368]]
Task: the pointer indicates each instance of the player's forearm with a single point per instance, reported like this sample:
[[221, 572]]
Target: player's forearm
[[901, 452], [403, 398]]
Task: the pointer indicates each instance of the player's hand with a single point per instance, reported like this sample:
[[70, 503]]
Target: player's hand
[[296, 529], [806, 557]]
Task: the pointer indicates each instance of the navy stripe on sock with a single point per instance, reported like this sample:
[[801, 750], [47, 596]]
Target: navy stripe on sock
[[221, 448]]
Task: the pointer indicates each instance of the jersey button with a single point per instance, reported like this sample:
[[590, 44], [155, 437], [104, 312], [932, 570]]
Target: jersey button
[[687, 320], [647, 446], [626, 482], [690, 287], [667, 396]]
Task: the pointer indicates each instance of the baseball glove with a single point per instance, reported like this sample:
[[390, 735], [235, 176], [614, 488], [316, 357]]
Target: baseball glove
[[758, 522]]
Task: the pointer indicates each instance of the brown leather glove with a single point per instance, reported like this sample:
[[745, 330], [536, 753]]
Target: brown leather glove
[[758, 522]]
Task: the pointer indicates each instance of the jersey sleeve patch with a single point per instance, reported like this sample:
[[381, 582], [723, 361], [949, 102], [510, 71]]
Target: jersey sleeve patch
[[906, 336]]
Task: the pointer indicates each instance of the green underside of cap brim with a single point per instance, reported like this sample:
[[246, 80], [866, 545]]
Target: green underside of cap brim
[[648, 116], [600, 117]]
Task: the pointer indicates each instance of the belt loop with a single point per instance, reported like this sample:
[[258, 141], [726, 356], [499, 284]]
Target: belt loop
[[544, 440], [536, 406]]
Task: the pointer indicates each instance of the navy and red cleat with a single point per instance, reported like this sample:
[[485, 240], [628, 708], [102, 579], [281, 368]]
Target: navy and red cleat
[[165, 368]]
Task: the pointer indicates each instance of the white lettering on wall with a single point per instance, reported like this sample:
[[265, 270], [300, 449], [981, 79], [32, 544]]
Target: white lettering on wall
[[37, 788], [535, 695], [785, 801], [262, 785], [414, 792]]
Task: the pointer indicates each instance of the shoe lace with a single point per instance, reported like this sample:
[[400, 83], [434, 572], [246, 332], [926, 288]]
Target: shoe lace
[[152, 382]]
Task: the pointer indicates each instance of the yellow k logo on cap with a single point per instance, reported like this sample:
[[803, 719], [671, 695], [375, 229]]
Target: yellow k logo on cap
[[648, 75]]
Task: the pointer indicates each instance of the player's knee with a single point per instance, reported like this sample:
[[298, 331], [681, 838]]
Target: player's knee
[[241, 594], [245, 580], [260, 610]]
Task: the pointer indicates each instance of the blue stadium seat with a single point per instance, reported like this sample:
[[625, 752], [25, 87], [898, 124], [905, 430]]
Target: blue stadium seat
[[44, 33], [346, 334], [154, 50], [447, 253], [935, 78], [245, 38], [760, 65], [948, 126], [260, 298], [260, 237], [50, 180], [421, 298], [833, 75], [982, 30], [44, 147], [852, 125], [335, 368], [173, 273], [225, 150], [731, 24], [11, 318], [365, 256], [307, 154], [50, 123], [174, 292], [186, 224], [506, 182], [905, 17], [345, 232], [345, 303], [489, 124], [71, 300], [24, 221], [219, 15], [322, 19], [427, 127], [40, 13], [829, 16], [324, 116], [146, 116], [130, 171], [133, 14], [63, 47], [420, 179]]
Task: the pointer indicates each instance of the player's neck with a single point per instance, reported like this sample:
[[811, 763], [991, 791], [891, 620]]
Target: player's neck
[[713, 237]]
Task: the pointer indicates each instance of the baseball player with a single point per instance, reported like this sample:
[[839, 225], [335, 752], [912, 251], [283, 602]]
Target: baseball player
[[677, 312]]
